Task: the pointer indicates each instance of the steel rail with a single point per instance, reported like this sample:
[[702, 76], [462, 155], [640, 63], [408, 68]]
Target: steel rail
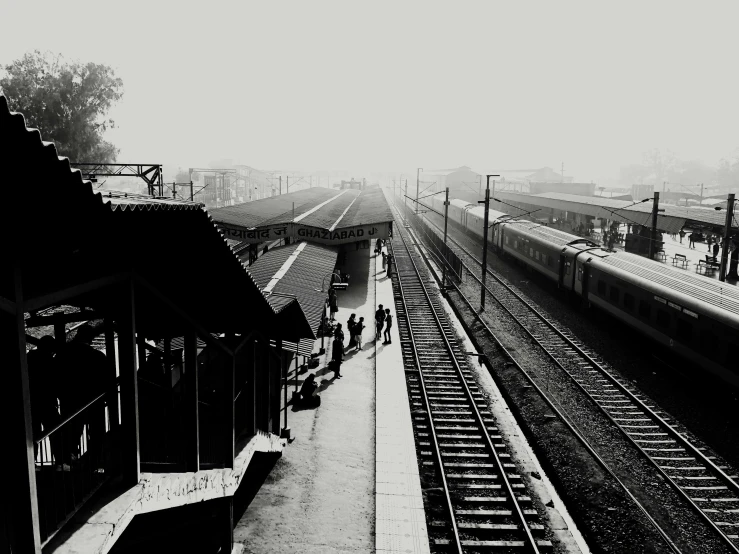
[[504, 476], [684, 442], [427, 405], [560, 413]]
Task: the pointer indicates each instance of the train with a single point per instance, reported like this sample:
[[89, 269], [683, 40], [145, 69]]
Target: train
[[695, 317]]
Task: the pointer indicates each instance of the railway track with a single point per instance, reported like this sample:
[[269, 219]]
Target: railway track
[[702, 483], [488, 507]]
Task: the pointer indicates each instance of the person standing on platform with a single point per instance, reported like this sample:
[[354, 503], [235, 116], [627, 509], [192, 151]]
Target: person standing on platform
[[332, 303], [388, 326], [384, 259], [379, 321], [389, 270], [358, 328], [682, 235], [709, 241], [691, 240], [350, 323], [716, 248], [337, 355]]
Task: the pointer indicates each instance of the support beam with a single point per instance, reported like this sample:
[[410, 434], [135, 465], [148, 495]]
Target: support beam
[[201, 331], [192, 415], [25, 518], [42, 320], [130, 453], [229, 419], [7, 305]]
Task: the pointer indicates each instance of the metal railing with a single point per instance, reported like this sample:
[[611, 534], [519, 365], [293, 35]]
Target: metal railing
[[74, 457]]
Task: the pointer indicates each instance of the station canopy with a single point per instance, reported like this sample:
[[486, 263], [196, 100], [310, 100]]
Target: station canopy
[[299, 270], [62, 240], [320, 215], [671, 220]]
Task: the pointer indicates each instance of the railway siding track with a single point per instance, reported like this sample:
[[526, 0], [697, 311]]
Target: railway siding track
[[488, 506], [701, 482]]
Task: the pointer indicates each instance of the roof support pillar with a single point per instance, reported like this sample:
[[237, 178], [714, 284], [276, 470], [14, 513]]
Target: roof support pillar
[[229, 421], [21, 507], [192, 416], [130, 453]]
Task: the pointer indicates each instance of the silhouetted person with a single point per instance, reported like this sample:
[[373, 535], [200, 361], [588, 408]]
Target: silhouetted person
[[309, 388], [82, 372], [357, 332], [388, 326], [379, 321], [716, 248], [44, 410], [332, 303], [350, 323], [337, 355]]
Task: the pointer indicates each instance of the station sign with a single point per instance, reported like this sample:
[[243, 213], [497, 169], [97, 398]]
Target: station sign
[[305, 232], [262, 234], [341, 236]]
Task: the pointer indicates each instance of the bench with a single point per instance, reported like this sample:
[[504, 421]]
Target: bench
[[706, 267], [680, 259], [712, 262], [660, 255]]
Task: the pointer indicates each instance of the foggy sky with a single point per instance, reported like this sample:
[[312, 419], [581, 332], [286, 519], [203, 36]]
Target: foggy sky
[[399, 85]]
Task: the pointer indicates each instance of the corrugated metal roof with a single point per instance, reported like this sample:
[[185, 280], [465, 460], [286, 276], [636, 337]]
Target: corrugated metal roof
[[273, 210], [626, 212], [98, 235], [308, 274], [371, 207], [342, 208]]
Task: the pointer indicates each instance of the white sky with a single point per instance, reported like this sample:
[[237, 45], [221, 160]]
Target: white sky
[[399, 85]]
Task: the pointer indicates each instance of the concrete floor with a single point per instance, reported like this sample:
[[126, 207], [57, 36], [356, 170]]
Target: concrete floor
[[319, 497]]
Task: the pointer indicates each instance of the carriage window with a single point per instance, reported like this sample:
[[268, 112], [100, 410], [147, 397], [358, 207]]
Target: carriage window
[[615, 293], [579, 273], [628, 302], [601, 287], [515, 244], [506, 240], [645, 310], [568, 268], [684, 331], [549, 260], [531, 252], [663, 318], [537, 255]]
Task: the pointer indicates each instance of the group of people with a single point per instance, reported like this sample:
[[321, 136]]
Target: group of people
[[387, 258], [713, 243], [62, 380]]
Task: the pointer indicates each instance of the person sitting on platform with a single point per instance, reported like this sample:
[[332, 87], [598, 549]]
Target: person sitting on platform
[[308, 391]]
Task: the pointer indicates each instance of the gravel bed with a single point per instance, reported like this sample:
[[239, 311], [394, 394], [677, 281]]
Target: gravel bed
[[665, 505]]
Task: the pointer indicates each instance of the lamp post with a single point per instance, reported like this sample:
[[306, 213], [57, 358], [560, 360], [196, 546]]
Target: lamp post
[[655, 210], [727, 237], [418, 173], [485, 241], [446, 223]]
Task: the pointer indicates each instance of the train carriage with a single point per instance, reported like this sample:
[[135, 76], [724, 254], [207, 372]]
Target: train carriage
[[694, 316], [476, 220], [537, 246]]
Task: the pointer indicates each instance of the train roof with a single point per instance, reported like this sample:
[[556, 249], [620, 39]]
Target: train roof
[[549, 234], [702, 289], [462, 204], [479, 211]]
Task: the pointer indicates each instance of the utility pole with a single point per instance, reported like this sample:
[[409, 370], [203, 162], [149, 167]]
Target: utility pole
[[485, 241], [280, 184], [663, 186], [727, 237], [446, 223], [418, 173], [655, 209], [479, 188], [701, 194], [563, 172], [405, 201], [287, 184]]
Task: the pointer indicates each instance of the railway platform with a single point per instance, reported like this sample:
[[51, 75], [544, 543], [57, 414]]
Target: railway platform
[[348, 482]]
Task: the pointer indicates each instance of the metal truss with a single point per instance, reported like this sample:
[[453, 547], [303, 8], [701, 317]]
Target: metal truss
[[150, 173]]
